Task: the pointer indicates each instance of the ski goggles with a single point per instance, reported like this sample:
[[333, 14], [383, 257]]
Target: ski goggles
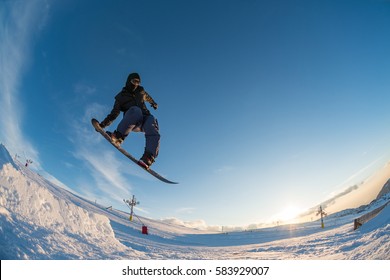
[[135, 82]]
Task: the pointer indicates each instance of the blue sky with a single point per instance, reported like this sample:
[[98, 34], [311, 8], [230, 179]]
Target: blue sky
[[263, 105]]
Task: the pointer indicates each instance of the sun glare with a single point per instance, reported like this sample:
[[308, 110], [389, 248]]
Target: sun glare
[[289, 213]]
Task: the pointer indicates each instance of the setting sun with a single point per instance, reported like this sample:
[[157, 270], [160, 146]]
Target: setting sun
[[289, 213]]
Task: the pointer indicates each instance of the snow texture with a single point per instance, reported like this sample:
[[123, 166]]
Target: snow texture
[[39, 220]]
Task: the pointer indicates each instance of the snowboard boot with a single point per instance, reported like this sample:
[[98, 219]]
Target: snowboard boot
[[146, 160], [116, 137]]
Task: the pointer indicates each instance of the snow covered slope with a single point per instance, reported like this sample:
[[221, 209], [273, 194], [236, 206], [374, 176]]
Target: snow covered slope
[[5, 157], [39, 220]]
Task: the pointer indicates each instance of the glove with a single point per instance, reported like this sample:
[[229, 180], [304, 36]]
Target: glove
[[154, 105]]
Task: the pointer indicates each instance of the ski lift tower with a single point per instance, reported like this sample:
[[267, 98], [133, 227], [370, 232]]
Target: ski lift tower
[[131, 203], [28, 162], [323, 214]]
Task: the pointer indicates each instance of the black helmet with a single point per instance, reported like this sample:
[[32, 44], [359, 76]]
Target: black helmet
[[133, 76]]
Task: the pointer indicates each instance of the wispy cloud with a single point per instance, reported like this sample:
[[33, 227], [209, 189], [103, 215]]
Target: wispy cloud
[[108, 170], [197, 224], [357, 194], [20, 21], [202, 225], [84, 88], [224, 169], [361, 173], [185, 210]]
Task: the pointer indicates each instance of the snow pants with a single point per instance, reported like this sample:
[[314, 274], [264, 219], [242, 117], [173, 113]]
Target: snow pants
[[134, 120]]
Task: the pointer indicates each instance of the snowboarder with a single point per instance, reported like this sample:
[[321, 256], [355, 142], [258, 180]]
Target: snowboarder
[[131, 101]]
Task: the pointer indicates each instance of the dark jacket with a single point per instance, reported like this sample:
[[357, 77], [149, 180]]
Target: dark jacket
[[126, 99]]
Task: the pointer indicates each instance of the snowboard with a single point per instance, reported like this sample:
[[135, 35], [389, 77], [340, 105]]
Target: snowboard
[[95, 124]]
